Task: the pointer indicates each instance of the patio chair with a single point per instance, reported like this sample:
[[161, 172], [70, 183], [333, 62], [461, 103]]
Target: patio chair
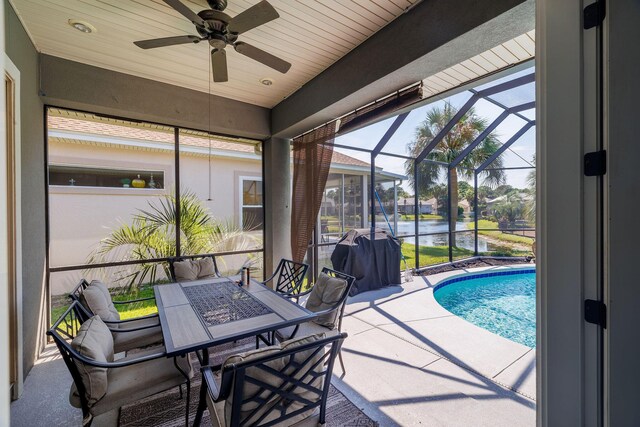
[[327, 298], [183, 269], [283, 385], [102, 384], [290, 275], [95, 299]]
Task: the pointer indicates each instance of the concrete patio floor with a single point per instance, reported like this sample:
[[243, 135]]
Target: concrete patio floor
[[410, 362]]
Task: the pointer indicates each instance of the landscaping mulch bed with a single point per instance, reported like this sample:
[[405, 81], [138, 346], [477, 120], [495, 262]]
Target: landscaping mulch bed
[[471, 263]]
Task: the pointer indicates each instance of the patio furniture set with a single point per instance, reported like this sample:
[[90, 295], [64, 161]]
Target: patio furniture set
[[284, 381]]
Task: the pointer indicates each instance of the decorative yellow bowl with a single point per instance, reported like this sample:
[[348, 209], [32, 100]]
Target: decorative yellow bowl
[[138, 182]]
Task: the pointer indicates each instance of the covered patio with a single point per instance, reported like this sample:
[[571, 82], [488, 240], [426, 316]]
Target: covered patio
[[141, 153], [431, 367]]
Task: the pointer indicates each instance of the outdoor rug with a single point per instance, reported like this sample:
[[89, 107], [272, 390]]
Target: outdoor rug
[[167, 409]]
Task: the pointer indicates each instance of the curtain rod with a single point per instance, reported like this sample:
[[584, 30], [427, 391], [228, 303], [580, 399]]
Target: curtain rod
[[396, 93]]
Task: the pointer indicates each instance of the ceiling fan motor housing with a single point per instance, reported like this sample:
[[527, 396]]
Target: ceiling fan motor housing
[[217, 4]]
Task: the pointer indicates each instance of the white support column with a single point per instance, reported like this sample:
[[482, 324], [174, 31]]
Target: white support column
[[567, 219], [4, 289], [277, 202]]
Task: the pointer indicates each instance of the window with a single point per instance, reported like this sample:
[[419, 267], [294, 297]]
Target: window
[[251, 211], [79, 176]]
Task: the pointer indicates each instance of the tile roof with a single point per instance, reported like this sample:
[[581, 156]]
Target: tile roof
[[189, 138], [142, 134]]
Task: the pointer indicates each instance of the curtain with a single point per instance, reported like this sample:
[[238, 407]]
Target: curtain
[[312, 154]]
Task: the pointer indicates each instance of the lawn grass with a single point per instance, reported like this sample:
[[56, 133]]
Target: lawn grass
[[127, 311], [422, 216], [143, 308], [499, 235], [431, 254]]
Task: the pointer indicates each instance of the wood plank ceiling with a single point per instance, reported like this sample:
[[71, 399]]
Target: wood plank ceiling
[[514, 51], [311, 34]]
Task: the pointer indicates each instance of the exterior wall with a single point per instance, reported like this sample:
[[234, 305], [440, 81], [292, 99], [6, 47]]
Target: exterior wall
[[81, 216], [23, 54]]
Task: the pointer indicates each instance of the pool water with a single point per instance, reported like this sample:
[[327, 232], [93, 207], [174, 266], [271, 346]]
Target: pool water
[[504, 304]]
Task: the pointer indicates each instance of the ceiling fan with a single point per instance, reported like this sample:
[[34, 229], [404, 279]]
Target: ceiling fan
[[220, 30]]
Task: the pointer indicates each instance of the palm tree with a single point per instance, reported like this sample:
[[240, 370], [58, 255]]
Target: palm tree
[[530, 208], [461, 136], [151, 234]]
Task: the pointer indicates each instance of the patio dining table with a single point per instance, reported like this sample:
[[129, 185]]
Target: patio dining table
[[205, 313]]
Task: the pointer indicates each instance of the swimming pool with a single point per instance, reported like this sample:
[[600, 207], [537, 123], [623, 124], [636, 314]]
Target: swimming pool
[[503, 302]]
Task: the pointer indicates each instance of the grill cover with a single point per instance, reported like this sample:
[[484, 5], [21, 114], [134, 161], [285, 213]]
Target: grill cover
[[374, 264]]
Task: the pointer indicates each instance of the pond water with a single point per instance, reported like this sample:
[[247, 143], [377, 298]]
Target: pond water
[[463, 240]]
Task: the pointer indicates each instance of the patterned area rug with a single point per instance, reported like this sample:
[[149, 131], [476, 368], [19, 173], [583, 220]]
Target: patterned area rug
[[167, 409]]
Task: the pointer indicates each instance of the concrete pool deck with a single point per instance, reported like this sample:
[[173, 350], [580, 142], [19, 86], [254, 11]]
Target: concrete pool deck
[[410, 362]]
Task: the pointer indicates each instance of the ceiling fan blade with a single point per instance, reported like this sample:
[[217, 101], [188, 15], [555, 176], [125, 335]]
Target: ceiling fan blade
[[255, 16], [219, 65], [166, 41], [262, 57], [186, 12]]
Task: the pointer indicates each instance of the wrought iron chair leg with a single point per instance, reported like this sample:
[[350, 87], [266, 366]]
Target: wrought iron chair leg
[[341, 361], [202, 403], [180, 388], [187, 402], [257, 342]]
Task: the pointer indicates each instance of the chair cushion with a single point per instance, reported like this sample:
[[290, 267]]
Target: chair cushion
[[251, 390], [325, 294], [129, 384], [94, 341], [304, 330], [194, 269], [124, 341], [96, 297]]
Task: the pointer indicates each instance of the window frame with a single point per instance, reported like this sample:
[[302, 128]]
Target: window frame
[[241, 205]]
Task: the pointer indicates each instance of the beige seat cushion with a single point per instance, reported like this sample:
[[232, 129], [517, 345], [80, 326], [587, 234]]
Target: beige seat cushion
[[194, 269], [251, 390], [304, 330], [124, 341], [132, 383], [324, 295], [96, 297], [94, 341]]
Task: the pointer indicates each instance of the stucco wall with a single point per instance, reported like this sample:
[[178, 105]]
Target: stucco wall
[[81, 216], [23, 54]]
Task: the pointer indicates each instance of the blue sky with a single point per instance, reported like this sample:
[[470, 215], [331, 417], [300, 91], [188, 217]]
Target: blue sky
[[520, 154]]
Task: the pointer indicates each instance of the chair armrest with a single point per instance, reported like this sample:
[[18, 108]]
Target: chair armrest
[[134, 300], [139, 328], [134, 319], [137, 360], [116, 364], [212, 385], [125, 325], [269, 279], [301, 294]]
